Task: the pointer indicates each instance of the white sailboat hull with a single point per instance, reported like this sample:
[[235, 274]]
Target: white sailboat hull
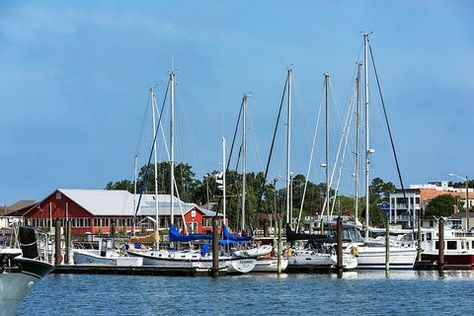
[[311, 260], [270, 265], [166, 259], [349, 262], [374, 258], [92, 257]]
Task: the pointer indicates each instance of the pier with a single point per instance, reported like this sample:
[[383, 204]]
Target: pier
[[123, 270]]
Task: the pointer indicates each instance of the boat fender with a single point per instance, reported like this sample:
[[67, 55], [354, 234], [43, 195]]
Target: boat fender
[[355, 251]]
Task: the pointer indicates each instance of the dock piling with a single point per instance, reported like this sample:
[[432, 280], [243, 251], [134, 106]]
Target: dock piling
[[340, 264], [279, 245], [387, 246], [215, 248], [67, 234], [57, 242], [441, 244]]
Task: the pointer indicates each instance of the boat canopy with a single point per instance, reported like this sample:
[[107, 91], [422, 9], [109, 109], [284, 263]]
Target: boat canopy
[[175, 235], [227, 235]]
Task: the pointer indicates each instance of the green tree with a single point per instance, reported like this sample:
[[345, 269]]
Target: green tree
[[441, 205], [183, 174], [120, 185]]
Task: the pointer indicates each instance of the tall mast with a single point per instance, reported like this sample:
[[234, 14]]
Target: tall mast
[[244, 156], [153, 108], [288, 147], [367, 139], [223, 181], [328, 189], [172, 84], [357, 145], [135, 175]]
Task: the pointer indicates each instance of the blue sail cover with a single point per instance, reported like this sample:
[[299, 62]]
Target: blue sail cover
[[175, 235], [229, 236], [205, 247]]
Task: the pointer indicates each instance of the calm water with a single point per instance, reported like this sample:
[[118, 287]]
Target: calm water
[[400, 293]]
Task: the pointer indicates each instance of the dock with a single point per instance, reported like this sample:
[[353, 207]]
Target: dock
[[129, 270], [428, 265]]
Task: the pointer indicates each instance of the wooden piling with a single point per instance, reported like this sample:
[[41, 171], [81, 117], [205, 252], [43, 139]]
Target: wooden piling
[[67, 238], [215, 248], [279, 245], [387, 246], [441, 244], [57, 242], [340, 264]]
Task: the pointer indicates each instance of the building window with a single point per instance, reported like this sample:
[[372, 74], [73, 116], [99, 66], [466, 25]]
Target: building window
[[431, 224], [428, 236], [437, 245], [452, 245]]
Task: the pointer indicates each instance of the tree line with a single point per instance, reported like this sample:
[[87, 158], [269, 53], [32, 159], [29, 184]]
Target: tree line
[[261, 196]]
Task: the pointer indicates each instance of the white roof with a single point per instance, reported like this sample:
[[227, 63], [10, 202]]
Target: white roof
[[121, 203]]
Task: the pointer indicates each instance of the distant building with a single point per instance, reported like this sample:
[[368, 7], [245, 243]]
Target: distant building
[[8, 214], [94, 211], [418, 196]]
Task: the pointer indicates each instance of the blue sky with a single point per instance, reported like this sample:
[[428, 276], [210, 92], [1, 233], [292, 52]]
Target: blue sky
[[74, 77]]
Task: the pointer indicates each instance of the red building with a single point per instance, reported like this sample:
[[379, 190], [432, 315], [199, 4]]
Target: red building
[[94, 211]]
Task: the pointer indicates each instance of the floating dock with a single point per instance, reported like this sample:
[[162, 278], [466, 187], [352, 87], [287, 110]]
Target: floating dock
[[129, 270], [428, 265]]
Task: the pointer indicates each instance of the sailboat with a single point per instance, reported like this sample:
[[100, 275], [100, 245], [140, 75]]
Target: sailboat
[[372, 255], [317, 253], [19, 273], [199, 259]]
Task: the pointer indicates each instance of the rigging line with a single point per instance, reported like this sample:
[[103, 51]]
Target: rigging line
[[238, 159], [346, 138], [235, 135], [145, 116], [180, 202], [299, 104], [310, 158], [255, 141], [390, 136], [336, 160], [145, 176], [275, 130]]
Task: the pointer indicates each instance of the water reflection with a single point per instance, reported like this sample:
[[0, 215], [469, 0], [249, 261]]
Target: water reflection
[[364, 291]]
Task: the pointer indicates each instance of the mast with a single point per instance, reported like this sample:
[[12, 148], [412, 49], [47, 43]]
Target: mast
[[328, 189], [172, 85], [288, 147], [135, 173], [367, 139], [223, 181], [153, 108], [357, 146], [244, 156]]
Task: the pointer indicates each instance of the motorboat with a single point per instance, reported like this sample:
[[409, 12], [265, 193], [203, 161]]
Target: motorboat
[[20, 272]]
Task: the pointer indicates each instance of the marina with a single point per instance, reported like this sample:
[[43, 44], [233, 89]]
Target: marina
[[236, 158]]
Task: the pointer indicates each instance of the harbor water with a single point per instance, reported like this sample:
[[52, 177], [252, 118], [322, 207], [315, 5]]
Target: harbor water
[[356, 293]]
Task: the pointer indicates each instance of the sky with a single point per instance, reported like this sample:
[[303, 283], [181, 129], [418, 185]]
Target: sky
[[74, 80]]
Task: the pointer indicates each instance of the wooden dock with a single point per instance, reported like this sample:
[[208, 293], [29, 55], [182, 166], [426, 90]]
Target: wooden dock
[[428, 265], [124, 270]]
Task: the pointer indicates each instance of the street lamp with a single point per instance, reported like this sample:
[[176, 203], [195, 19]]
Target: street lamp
[[467, 197]]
